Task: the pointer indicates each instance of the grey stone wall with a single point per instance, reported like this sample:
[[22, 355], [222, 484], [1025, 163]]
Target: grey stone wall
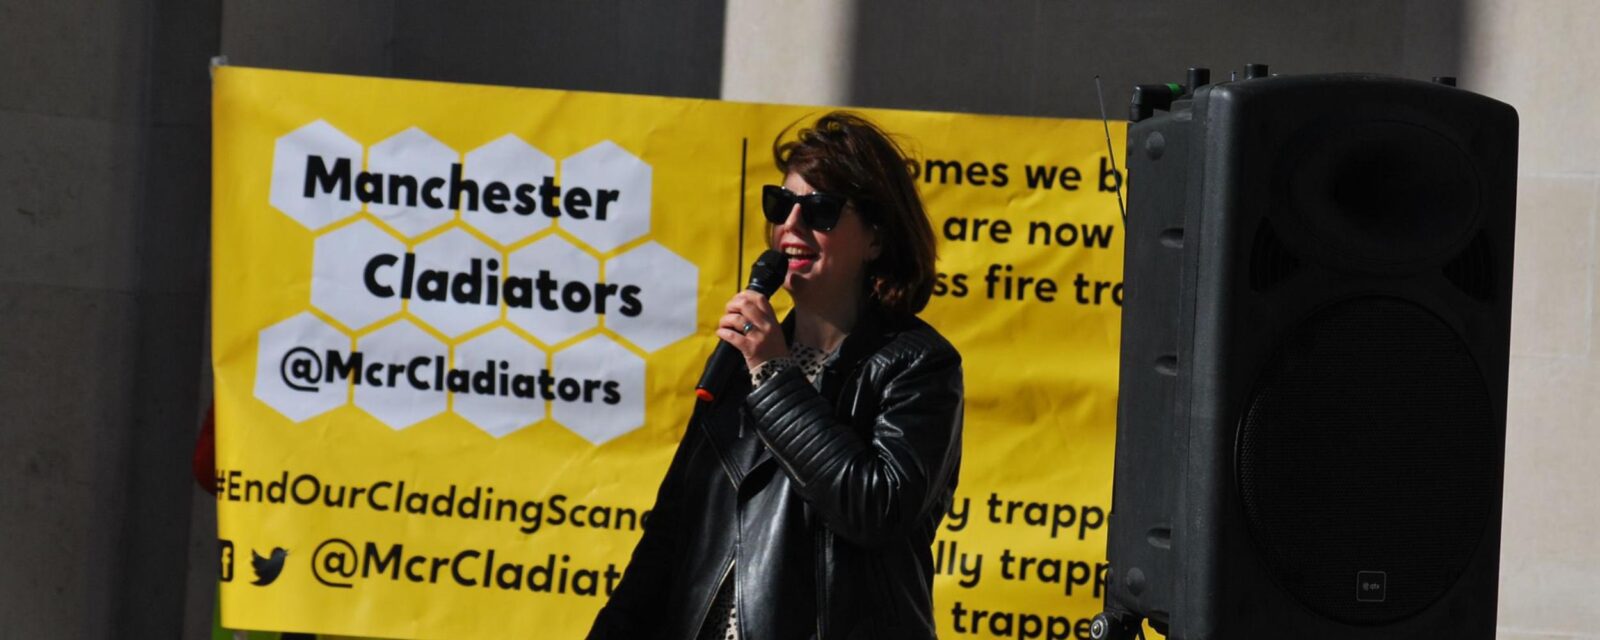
[[104, 124], [1528, 54], [629, 46], [1039, 57]]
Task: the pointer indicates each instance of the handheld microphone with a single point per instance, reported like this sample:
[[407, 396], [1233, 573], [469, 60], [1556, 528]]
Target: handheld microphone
[[766, 275]]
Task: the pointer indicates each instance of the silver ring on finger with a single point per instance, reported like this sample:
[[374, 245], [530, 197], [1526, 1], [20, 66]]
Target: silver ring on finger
[[747, 327]]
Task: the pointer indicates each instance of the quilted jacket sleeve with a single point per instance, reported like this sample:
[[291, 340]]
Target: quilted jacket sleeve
[[870, 487]]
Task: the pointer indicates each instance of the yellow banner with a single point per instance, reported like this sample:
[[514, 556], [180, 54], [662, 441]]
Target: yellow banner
[[456, 330]]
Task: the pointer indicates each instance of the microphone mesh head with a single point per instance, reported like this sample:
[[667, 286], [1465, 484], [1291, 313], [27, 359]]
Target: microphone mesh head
[[767, 274]]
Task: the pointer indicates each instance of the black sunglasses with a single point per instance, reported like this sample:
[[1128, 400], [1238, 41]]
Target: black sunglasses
[[819, 211]]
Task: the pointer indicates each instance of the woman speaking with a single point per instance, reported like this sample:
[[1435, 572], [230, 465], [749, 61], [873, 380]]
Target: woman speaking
[[803, 501]]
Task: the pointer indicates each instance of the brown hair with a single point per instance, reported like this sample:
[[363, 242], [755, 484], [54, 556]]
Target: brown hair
[[845, 154]]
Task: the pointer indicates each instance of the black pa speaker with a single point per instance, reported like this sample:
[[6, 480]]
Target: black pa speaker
[[1311, 427]]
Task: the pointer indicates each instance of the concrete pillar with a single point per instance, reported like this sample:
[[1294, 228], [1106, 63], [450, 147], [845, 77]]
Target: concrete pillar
[[1536, 55], [789, 51], [104, 211]]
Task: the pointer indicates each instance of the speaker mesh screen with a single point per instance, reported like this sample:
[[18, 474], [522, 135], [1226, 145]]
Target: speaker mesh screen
[[1369, 448]]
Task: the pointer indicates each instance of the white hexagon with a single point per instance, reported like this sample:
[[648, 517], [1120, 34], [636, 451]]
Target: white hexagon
[[503, 392], [551, 290], [509, 173], [292, 367], [420, 176], [457, 283], [356, 274], [665, 288], [605, 196], [321, 160], [401, 375], [599, 389]]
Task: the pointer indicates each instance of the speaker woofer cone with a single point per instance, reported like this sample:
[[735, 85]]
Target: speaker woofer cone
[[1368, 448]]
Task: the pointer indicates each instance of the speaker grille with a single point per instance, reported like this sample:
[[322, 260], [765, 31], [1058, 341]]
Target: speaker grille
[[1368, 450]]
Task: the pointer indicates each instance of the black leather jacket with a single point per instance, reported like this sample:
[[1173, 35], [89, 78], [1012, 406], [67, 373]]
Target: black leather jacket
[[823, 504]]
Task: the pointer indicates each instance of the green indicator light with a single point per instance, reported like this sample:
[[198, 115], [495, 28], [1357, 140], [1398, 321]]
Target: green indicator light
[[1175, 87]]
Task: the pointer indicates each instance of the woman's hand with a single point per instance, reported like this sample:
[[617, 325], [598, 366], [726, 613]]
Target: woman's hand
[[751, 326]]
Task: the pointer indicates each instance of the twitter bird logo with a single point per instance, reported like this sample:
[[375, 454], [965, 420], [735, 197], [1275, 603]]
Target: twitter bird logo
[[267, 569]]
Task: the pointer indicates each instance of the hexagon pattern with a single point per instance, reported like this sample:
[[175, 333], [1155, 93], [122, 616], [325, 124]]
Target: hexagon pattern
[[320, 155], [399, 381], [519, 169], [667, 286], [589, 410], [415, 154], [456, 283], [292, 373], [356, 274], [557, 275], [498, 408], [618, 188], [454, 274]]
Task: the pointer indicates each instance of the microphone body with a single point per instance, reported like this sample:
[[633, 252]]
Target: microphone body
[[766, 275]]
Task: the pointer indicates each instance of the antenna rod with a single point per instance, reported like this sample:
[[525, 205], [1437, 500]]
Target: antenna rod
[[1110, 153]]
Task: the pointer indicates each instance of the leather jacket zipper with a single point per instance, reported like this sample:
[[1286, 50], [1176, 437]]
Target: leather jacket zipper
[[706, 612], [824, 546], [716, 452]]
